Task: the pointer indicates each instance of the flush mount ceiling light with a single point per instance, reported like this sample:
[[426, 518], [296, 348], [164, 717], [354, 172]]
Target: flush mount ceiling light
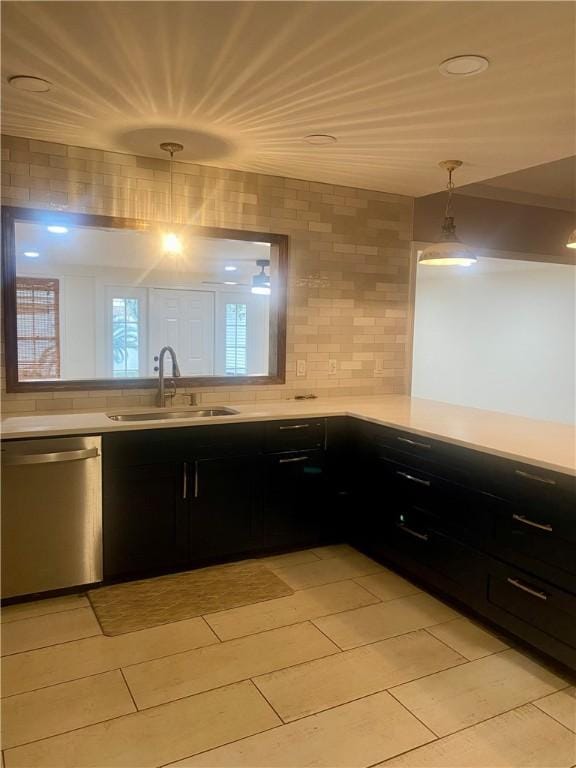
[[464, 66], [572, 240], [448, 251], [320, 139], [230, 268], [261, 281], [56, 229], [29, 83], [31, 254], [171, 242]]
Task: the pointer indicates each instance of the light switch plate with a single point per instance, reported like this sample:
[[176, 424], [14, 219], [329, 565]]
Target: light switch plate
[[301, 368]]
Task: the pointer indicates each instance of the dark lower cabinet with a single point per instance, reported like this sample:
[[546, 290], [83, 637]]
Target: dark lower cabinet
[[221, 500], [293, 509], [144, 519]]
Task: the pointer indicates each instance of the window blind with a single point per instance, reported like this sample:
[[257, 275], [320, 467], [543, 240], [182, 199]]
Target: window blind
[[38, 327]]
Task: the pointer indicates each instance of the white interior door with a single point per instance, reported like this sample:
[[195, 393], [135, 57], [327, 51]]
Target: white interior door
[[185, 320]]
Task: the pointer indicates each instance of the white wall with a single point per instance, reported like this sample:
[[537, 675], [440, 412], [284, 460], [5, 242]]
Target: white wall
[[499, 335]]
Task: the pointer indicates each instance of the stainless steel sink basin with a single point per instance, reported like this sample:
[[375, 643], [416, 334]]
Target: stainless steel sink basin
[[160, 414]]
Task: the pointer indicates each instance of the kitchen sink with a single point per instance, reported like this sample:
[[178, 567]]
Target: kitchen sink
[[160, 414]]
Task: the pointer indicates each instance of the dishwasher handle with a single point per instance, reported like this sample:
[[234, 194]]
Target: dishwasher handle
[[14, 459]]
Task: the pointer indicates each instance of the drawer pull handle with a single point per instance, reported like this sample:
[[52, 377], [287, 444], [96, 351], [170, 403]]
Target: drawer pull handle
[[526, 588], [196, 481], [532, 523], [291, 461], [412, 532], [294, 426], [537, 478], [414, 442], [413, 479]]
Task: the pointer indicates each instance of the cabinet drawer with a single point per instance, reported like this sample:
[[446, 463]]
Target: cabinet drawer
[[534, 488], [302, 434], [457, 510], [536, 602], [541, 541]]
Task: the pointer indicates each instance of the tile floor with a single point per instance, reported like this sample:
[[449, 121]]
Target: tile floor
[[358, 668]]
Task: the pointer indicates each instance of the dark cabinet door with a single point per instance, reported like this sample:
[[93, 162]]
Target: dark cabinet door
[[144, 519], [293, 503], [220, 494]]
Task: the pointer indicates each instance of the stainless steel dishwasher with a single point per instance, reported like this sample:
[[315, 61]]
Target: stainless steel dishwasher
[[51, 514]]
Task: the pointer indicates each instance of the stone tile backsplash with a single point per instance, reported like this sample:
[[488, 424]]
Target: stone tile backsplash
[[349, 261]]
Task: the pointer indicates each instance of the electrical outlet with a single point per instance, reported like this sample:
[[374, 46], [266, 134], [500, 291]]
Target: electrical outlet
[[379, 367], [301, 368], [332, 367]]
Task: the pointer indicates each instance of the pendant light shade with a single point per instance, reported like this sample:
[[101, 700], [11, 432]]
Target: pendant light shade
[[448, 251], [572, 240], [171, 242]]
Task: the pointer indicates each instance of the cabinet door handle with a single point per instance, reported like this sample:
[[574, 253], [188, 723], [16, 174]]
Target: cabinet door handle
[[196, 481], [533, 523], [413, 479], [537, 478], [412, 532], [291, 461], [414, 442], [294, 426], [526, 588], [185, 480]]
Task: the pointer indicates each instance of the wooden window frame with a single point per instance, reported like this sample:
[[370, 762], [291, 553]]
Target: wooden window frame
[[277, 335]]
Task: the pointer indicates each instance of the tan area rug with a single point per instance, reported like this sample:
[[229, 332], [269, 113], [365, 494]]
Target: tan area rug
[[143, 604]]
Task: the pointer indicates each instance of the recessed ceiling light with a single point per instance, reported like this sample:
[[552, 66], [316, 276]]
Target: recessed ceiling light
[[464, 66], [228, 282], [31, 84], [230, 268], [320, 139], [57, 229], [31, 254]]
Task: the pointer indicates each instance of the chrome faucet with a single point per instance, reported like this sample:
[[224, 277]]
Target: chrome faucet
[[162, 396]]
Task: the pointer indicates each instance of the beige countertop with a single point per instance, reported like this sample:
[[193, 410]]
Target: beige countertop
[[540, 443]]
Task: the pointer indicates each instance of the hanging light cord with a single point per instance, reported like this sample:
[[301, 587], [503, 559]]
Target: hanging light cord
[[449, 187], [170, 200]]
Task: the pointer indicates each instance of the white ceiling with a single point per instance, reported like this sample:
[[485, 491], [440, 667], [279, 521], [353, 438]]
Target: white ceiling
[[241, 83]]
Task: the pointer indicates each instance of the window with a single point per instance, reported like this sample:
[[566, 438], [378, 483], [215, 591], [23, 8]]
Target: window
[[235, 339], [38, 327], [125, 337]]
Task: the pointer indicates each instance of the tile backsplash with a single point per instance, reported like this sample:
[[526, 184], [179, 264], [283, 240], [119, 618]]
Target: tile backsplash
[[349, 261]]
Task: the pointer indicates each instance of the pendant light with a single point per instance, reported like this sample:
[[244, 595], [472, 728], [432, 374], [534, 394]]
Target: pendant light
[[448, 250], [261, 281], [572, 240], [171, 242]]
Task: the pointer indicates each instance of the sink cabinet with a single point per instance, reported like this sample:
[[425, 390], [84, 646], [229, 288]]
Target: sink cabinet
[[497, 536]]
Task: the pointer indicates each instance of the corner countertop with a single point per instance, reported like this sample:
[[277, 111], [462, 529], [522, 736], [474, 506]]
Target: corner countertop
[[544, 444]]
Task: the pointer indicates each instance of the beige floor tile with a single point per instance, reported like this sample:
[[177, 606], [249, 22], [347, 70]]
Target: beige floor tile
[[338, 568], [301, 606], [472, 692], [317, 685], [351, 736], [561, 706], [387, 585], [41, 631], [69, 661], [60, 708], [155, 682], [333, 550], [522, 738], [377, 622], [155, 737], [467, 638], [289, 558], [42, 607]]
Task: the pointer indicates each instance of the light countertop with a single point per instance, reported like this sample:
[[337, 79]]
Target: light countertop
[[540, 443]]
